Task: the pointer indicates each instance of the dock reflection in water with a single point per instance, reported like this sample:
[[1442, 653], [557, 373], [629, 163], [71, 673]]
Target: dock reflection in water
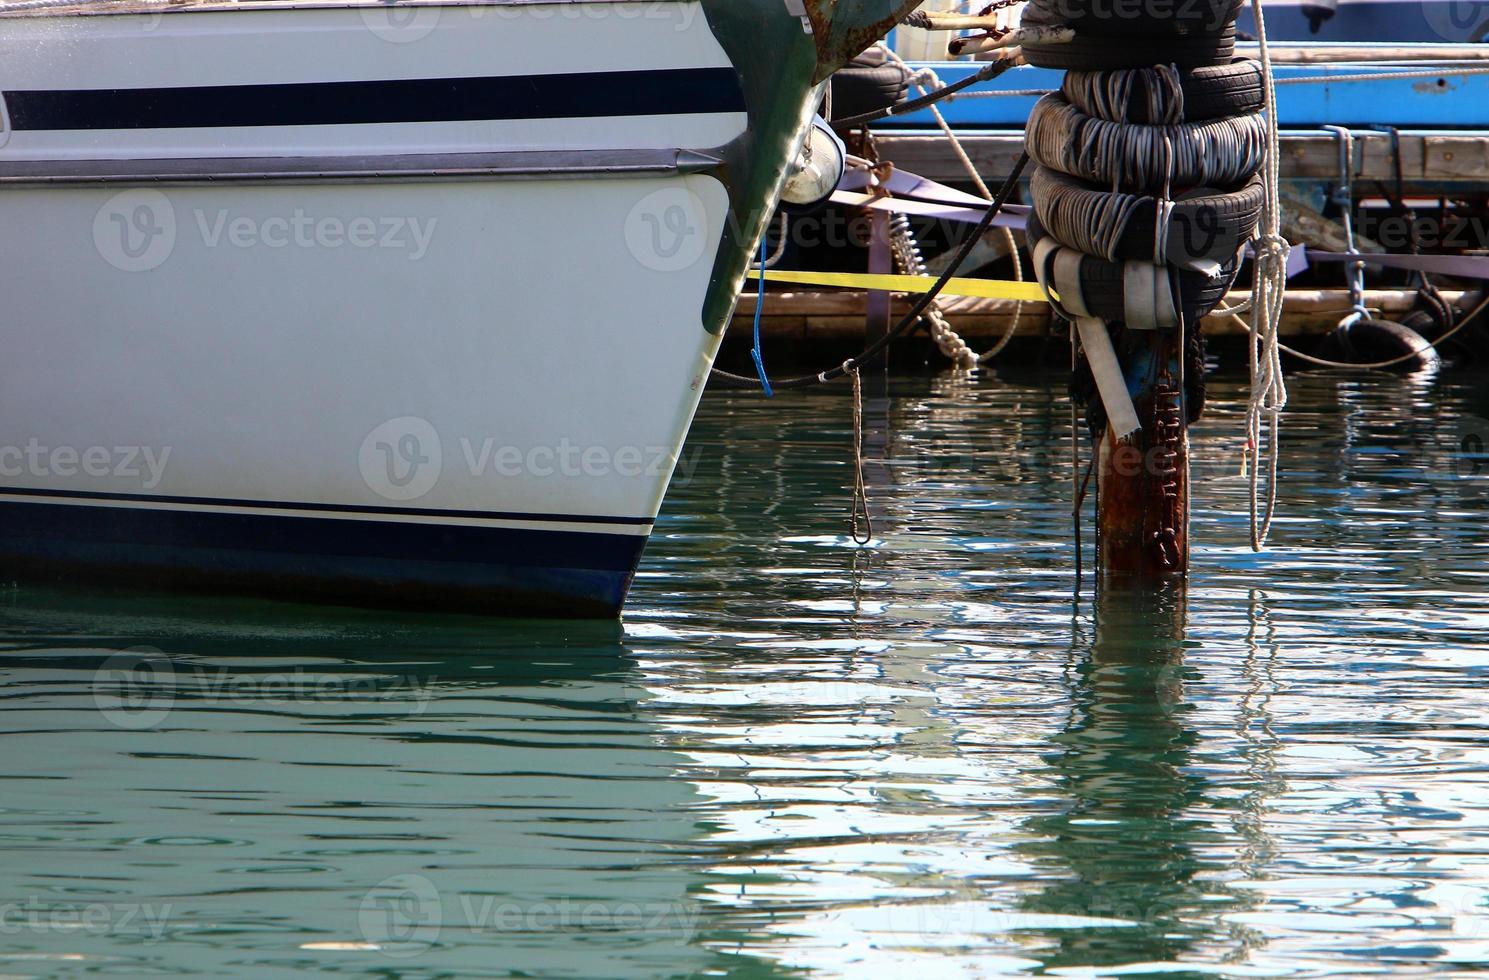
[[797, 757]]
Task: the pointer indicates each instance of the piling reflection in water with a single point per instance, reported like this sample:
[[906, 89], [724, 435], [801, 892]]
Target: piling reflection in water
[[1130, 844]]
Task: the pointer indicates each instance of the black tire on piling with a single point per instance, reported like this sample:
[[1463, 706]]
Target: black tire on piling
[[1205, 225], [1158, 21], [1211, 92], [1103, 53], [1103, 285]]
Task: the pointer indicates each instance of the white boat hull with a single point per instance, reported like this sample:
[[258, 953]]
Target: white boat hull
[[332, 334]]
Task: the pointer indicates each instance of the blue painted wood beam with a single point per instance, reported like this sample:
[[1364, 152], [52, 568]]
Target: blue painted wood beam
[[1457, 102]]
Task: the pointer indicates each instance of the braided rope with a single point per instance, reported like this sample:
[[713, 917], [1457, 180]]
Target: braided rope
[[1270, 250], [921, 80], [908, 257]]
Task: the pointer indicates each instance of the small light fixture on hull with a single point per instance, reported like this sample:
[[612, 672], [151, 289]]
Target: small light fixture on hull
[[817, 170]]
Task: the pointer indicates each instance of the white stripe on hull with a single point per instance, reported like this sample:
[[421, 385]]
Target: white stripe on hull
[[443, 520], [527, 323], [341, 44]]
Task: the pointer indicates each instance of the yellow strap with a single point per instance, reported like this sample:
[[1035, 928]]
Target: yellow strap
[[1030, 292]]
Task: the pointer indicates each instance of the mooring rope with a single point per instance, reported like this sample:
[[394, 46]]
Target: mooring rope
[[991, 71], [927, 78], [860, 507], [755, 352], [908, 257], [1269, 257], [1385, 76], [1457, 328]]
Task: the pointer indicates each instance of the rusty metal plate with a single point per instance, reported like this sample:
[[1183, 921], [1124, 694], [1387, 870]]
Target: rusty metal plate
[[844, 28]]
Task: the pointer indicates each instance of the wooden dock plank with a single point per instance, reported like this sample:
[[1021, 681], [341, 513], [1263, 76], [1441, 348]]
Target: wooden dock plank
[[1434, 159], [840, 315]]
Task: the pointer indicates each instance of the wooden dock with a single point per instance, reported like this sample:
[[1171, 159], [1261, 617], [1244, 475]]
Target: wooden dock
[[840, 316], [1431, 162]]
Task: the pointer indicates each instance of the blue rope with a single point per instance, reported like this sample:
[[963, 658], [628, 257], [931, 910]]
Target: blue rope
[[760, 308]]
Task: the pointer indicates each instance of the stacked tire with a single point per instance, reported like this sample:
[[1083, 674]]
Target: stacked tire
[[1147, 161]]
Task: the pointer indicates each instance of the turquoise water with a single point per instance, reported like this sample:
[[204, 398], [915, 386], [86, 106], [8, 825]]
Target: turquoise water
[[796, 757]]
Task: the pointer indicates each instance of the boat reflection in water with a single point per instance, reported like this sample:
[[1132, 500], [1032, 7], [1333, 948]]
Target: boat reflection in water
[[245, 792]]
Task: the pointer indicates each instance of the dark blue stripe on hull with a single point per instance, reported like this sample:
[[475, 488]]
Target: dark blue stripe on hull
[[580, 95], [436, 566]]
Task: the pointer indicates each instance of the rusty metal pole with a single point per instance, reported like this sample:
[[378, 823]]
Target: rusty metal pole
[[1143, 498]]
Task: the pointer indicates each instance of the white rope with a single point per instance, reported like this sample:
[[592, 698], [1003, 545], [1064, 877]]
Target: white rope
[[1270, 250], [922, 79], [1382, 76]]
